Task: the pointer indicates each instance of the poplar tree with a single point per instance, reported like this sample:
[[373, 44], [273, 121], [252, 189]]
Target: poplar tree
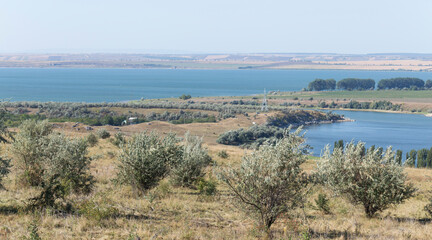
[[399, 157], [429, 158]]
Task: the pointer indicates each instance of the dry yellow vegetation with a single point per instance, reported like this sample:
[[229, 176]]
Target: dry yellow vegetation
[[179, 213]]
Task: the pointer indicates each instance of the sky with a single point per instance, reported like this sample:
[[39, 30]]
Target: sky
[[218, 26]]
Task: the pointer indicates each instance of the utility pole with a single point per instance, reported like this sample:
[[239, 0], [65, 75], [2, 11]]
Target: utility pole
[[264, 105]]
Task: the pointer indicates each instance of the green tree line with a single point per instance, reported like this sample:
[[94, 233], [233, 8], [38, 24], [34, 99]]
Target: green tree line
[[369, 84]]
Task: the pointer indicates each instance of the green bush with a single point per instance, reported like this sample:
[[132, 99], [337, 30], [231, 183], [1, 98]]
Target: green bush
[[119, 139], [103, 133], [97, 211], [29, 151], [146, 159], [270, 181], [92, 140], [428, 208], [41, 154], [376, 181], [162, 190], [53, 195], [207, 187], [223, 154], [191, 164], [253, 136], [68, 159], [322, 203], [185, 97]]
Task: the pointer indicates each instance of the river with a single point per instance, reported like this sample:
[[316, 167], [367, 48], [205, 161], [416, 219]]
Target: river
[[402, 131]]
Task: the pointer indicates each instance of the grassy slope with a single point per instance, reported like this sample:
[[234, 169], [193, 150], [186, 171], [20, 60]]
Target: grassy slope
[[180, 213]]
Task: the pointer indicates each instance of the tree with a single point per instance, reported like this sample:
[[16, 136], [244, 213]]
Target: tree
[[400, 83], [372, 181], [270, 181], [146, 159], [338, 144], [356, 84], [421, 158], [190, 167], [321, 84], [185, 97], [429, 158], [428, 84], [398, 157], [413, 158]]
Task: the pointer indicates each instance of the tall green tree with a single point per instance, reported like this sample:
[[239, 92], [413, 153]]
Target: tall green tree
[[400, 83], [356, 84], [321, 84], [428, 84], [429, 158], [338, 144], [421, 158], [398, 157], [411, 159]]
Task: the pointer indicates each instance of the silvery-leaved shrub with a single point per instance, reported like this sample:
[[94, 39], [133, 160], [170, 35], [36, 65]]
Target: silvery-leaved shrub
[[29, 149], [41, 154], [192, 163], [119, 138], [145, 159], [373, 180], [270, 181], [92, 140], [67, 158], [103, 133]]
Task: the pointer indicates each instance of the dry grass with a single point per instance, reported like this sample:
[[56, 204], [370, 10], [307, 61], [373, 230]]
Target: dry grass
[[178, 213]]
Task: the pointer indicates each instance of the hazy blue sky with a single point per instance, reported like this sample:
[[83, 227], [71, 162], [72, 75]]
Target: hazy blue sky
[[196, 26]]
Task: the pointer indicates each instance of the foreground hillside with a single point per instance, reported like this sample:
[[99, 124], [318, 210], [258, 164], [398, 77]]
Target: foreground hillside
[[169, 212]]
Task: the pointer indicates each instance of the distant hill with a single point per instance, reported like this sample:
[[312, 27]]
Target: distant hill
[[375, 61]]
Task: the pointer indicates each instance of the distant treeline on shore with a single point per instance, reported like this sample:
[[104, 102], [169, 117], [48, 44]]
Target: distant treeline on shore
[[369, 84], [421, 158]]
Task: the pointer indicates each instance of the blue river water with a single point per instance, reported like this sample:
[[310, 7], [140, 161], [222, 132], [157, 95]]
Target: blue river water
[[402, 131], [113, 85]]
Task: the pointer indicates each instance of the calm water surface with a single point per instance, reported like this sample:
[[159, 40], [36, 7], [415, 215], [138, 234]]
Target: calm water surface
[[402, 131], [112, 85]]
